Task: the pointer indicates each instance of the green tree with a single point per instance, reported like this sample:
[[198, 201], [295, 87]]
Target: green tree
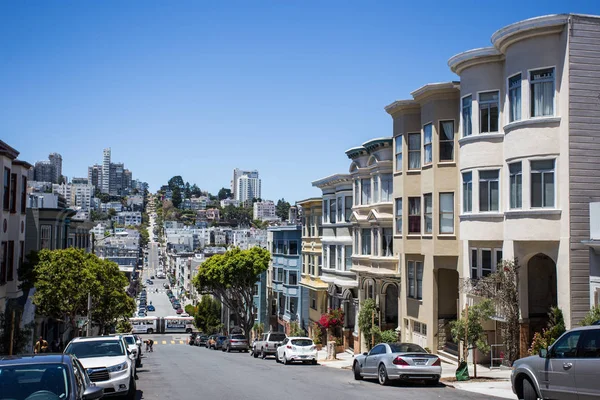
[[124, 326], [231, 277], [187, 192], [195, 190], [176, 199], [556, 327], [365, 321], [112, 212], [477, 315], [26, 271], [224, 194], [98, 216], [592, 316], [176, 182], [282, 209], [208, 315]]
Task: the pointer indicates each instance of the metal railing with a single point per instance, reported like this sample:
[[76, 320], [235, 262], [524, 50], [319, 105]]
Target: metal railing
[[497, 359]]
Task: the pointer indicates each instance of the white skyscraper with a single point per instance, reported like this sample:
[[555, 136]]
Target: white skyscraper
[[106, 171], [250, 185]]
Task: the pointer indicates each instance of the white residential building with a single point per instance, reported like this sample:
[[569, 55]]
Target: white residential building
[[64, 189], [104, 207], [198, 203], [81, 195], [127, 218], [264, 210], [230, 202], [245, 185], [105, 187]]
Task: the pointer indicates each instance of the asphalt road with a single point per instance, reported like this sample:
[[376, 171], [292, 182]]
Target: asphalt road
[[178, 371]]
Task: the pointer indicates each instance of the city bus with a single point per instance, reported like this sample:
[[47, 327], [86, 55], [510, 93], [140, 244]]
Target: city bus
[[174, 324]]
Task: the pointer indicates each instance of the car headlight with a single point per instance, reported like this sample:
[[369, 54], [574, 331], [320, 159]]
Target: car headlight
[[118, 367]]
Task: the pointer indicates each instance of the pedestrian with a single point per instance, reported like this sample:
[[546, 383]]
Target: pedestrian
[[41, 346], [151, 343], [147, 342]]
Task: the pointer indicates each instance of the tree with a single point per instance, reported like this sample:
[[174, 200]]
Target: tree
[[124, 326], [176, 198], [176, 182], [195, 190], [592, 316], [208, 315], [187, 192], [282, 209], [224, 194], [471, 322], [26, 271], [231, 277], [190, 309], [21, 336], [365, 321], [556, 327], [112, 212]]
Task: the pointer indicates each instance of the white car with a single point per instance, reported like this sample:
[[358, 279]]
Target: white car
[[108, 362], [297, 349], [134, 348]]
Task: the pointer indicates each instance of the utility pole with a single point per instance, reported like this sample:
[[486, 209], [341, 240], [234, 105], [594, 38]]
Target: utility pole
[[467, 333], [89, 316], [12, 334], [372, 326]]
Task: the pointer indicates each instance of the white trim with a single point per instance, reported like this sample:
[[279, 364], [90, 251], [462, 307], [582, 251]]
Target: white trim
[[478, 110], [555, 159], [423, 143], [423, 233], [460, 113], [408, 169], [554, 113], [395, 165], [483, 137], [439, 123], [522, 123], [507, 100]]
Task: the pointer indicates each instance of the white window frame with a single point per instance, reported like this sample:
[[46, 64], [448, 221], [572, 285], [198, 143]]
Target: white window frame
[[489, 198], [347, 210], [441, 213], [440, 141], [510, 186], [480, 103], [464, 209], [508, 98], [375, 189], [398, 216], [462, 119], [368, 197], [428, 144], [531, 171], [415, 151], [340, 204], [479, 250], [427, 214], [398, 152], [529, 83], [389, 197]]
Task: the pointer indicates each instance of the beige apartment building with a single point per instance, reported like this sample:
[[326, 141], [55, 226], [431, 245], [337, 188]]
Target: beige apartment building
[[529, 142], [374, 259], [12, 221], [312, 255], [425, 207]]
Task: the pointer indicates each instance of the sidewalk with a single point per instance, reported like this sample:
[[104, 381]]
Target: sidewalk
[[492, 382]]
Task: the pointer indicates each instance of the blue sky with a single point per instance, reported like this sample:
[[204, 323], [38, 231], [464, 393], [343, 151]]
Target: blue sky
[[197, 88]]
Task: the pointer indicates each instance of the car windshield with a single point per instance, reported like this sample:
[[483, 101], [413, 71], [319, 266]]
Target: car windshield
[[277, 337], [238, 337], [96, 348], [129, 339], [302, 342], [406, 348], [21, 381]]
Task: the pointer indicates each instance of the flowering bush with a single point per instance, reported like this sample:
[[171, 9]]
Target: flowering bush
[[333, 319]]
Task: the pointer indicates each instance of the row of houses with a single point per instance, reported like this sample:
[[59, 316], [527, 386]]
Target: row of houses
[[500, 165]]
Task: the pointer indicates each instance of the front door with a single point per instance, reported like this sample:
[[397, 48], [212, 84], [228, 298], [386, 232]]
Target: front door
[[558, 377], [588, 365]]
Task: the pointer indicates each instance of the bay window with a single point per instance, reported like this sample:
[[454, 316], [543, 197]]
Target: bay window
[[467, 178], [325, 211], [332, 257], [542, 183], [427, 147], [399, 153], [428, 212], [387, 183], [399, 216], [488, 111], [387, 242], [415, 279], [484, 261], [447, 213], [514, 98], [365, 236], [348, 257], [516, 185], [356, 193], [332, 211], [489, 191], [447, 141], [376, 189], [348, 208], [366, 191], [414, 151], [467, 128], [340, 209], [6, 193], [375, 249], [414, 215], [339, 264], [542, 92]]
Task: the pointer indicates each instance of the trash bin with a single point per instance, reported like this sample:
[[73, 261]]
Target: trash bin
[[462, 372]]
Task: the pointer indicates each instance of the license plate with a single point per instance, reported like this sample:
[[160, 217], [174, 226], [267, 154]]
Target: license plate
[[302, 356], [421, 363]]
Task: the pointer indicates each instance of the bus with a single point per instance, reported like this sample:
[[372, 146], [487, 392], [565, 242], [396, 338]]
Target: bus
[[174, 324]]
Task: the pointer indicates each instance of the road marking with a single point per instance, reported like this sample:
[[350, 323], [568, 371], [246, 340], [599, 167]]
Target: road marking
[[181, 342], [164, 342], [172, 342]]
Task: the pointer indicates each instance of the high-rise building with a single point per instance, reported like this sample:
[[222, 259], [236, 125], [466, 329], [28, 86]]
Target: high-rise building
[[127, 180], [82, 195], [252, 185], [95, 176], [44, 171], [105, 187], [56, 161], [116, 179]]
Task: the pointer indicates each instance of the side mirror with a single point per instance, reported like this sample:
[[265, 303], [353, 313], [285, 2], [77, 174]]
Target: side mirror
[[544, 353], [93, 392], [365, 354]]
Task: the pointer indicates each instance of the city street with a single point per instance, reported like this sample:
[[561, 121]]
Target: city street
[[159, 299], [178, 371]]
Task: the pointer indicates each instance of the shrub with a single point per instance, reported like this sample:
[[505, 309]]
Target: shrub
[[544, 339], [295, 329], [592, 316]]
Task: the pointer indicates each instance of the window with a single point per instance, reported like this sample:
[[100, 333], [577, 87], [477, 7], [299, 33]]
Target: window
[[399, 153], [399, 216], [474, 264], [484, 262], [21, 259], [46, 237], [542, 183], [311, 265], [387, 184], [356, 193], [542, 92], [387, 242], [10, 261], [590, 344], [427, 148], [292, 278], [415, 279], [293, 305], [488, 112], [293, 247], [414, 215], [348, 208], [376, 189], [365, 236], [447, 213], [447, 141], [366, 191], [566, 346], [280, 273], [339, 264], [514, 98], [6, 193], [313, 299], [340, 209], [3, 262], [467, 192], [467, 128], [256, 290], [332, 211], [414, 151], [428, 212], [356, 243], [332, 257], [488, 191], [23, 194], [325, 211], [516, 185], [13, 193], [348, 257]]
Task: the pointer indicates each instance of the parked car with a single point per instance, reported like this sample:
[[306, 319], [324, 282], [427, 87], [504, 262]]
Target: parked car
[[405, 361], [235, 342], [219, 339], [166, 285], [179, 311], [568, 369], [201, 340], [142, 313], [133, 348], [152, 277], [267, 345], [46, 376], [108, 363], [150, 308], [297, 349]]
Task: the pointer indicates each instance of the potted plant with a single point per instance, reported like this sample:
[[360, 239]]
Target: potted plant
[[339, 345]]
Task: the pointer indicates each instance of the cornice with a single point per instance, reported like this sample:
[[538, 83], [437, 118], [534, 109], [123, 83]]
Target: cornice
[[435, 88], [377, 143], [470, 58], [356, 152], [8, 151], [528, 28], [400, 106], [332, 179]]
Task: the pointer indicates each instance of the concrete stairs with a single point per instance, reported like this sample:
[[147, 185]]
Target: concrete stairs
[[449, 353]]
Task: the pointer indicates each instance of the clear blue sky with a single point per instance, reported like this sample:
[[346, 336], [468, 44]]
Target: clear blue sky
[[197, 88]]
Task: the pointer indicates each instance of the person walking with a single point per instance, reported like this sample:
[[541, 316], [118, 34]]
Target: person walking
[[151, 344], [41, 346]]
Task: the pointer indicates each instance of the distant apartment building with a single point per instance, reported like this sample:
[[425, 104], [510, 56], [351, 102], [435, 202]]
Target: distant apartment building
[[116, 205], [248, 238], [56, 160], [105, 184], [44, 171], [237, 174], [13, 215], [198, 203], [264, 210], [230, 202], [64, 190], [95, 176], [128, 218], [79, 181], [81, 195], [116, 184], [246, 185]]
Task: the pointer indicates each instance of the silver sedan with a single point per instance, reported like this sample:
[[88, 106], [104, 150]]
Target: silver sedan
[[405, 361]]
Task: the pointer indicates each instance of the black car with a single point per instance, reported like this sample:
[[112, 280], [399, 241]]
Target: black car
[[46, 376]]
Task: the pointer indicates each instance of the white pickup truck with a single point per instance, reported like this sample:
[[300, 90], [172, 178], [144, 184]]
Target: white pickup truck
[[267, 344]]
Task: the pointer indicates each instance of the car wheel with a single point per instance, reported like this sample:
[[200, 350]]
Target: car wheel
[[382, 375], [432, 382], [262, 354], [255, 353], [529, 392], [150, 331], [314, 362], [285, 360], [277, 358], [131, 393], [356, 370], [228, 349]]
